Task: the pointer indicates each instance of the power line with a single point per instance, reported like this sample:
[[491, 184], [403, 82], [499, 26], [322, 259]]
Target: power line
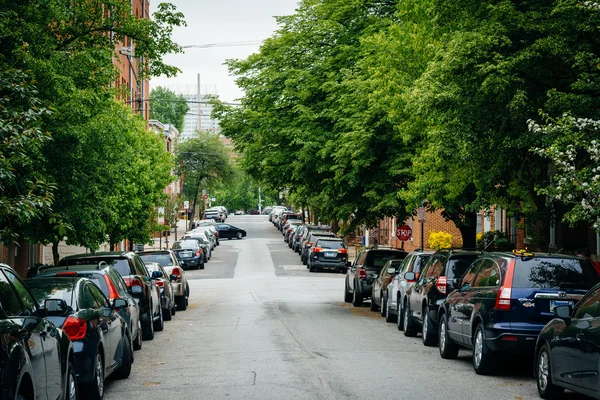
[[224, 44]]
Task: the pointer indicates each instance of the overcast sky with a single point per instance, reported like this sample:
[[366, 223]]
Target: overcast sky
[[220, 21]]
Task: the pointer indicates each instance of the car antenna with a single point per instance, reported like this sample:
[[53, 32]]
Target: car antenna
[[492, 242], [558, 252]]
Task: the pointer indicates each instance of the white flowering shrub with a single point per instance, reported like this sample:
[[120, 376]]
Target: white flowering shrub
[[574, 149]]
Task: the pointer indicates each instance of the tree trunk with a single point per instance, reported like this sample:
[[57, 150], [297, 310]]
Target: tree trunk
[[55, 254], [468, 230]]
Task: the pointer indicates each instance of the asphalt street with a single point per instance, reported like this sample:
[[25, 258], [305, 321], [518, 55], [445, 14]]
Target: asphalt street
[[260, 326]]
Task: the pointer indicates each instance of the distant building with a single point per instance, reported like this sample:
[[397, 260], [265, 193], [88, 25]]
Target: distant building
[[198, 117]]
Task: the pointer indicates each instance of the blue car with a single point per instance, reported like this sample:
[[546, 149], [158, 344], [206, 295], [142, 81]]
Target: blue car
[[100, 336]]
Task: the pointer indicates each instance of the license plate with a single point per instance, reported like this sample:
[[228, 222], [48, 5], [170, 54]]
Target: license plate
[[186, 254], [330, 254], [556, 303]]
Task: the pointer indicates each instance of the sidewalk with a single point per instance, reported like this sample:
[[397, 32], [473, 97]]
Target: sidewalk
[[167, 242]]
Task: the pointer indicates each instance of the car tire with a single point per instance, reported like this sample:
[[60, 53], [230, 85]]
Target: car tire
[[304, 261], [389, 317], [137, 343], [383, 305], [357, 300], [312, 268], [202, 266], [448, 349], [429, 334], [543, 375], [410, 329], [483, 358], [347, 295], [148, 327], [400, 319], [181, 303], [159, 324], [95, 389], [373, 307], [71, 392], [167, 316], [125, 369], [239, 235]]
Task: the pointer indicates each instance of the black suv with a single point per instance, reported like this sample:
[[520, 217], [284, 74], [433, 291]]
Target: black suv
[[365, 270], [424, 299], [328, 253], [504, 300], [138, 280], [311, 238]]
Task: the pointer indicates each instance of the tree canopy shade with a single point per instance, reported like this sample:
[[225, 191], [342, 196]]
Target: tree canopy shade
[[365, 109], [167, 107], [204, 162]]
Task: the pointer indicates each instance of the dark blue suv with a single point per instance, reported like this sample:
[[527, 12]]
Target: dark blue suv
[[504, 300]]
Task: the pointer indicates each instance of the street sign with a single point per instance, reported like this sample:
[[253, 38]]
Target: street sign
[[421, 215], [404, 233], [186, 205]]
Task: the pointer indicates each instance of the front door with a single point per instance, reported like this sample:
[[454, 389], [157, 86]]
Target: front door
[[586, 320], [458, 301]]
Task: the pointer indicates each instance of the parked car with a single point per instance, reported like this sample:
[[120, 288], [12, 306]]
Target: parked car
[[380, 285], [363, 272], [424, 298], [567, 350], [227, 231], [289, 235], [328, 253], [167, 295], [310, 238], [203, 239], [267, 210], [289, 227], [214, 214], [239, 212], [101, 338], [297, 238], [396, 290], [212, 234], [112, 286], [138, 281], [505, 299], [254, 212], [28, 372], [168, 260], [189, 253]]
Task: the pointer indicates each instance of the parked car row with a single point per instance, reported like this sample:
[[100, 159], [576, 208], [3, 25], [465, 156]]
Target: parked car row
[[218, 213], [544, 307], [71, 326]]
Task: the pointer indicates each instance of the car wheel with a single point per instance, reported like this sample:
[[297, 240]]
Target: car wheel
[[181, 303], [383, 305], [400, 319], [95, 389], [239, 235], [482, 356], [159, 324], [148, 326], [304, 261], [71, 387], [167, 314], [409, 326], [173, 308], [347, 295], [373, 304], [357, 299], [429, 333], [202, 266], [137, 344], [389, 317], [448, 349], [543, 373], [125, 369], [312, 268]]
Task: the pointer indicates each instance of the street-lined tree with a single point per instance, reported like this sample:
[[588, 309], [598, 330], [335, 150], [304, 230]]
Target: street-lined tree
[[168, 107]]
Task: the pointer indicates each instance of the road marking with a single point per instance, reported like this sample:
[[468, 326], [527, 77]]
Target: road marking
[[293, 266]]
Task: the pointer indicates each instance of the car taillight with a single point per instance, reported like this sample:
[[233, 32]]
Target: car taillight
[[342, 251], [216, 234], [66, 273], [505, 292], [112, 291], [198, 253], [159, 283], [441, 283], [362, 273], [131, 282], [317, 250], [177, 272], [75, 328]]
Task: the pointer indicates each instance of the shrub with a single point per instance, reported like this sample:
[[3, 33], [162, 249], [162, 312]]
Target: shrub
[[440, 240], [493, 240]]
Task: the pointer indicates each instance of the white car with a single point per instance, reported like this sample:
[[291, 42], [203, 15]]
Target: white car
[[239, 213], [214, 235]]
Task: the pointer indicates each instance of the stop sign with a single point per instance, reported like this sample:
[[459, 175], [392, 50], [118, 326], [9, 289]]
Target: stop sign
[[404, 233]]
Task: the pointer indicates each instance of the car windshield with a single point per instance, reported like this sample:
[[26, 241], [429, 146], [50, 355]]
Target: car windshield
[[58, 288], [152, 267], [163, 259], [457, 266], [554, 273], [120, 264], [377, 259], [186, 244], [98, 279], [330, 244]]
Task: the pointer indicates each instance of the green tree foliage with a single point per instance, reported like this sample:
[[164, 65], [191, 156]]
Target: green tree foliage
[[241, 192], [167, 107], [204, 162]]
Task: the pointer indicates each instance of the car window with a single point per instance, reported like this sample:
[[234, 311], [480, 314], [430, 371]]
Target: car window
[[488, 275], [99, 296], [458, 265], [406, 263], [589, 307], [330, 244], [163, 259], [435, 267], [86, 298], [186, 244], [469, 277], [140, 267], [97, 278], [377, 259], [420, 261], [8, 297], [29, 303], [120, 264], [362, 258], [118, 281], [554, 273]]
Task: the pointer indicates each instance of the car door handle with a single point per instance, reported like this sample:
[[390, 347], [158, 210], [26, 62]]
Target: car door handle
[[580, 336]]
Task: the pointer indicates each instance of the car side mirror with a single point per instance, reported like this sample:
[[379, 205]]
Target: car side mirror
[[136, 290], [157, 274], [410, 276], [173, 277], [55, 307], [563, 312], [119, 303]]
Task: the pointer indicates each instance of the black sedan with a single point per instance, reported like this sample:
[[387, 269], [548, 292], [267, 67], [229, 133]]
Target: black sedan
[[101, 339], [227, 231], [189, 252], [568, 349], [30, 370]]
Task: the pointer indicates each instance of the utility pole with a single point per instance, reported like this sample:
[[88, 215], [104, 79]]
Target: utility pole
[[198, 121], [259, 201]]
